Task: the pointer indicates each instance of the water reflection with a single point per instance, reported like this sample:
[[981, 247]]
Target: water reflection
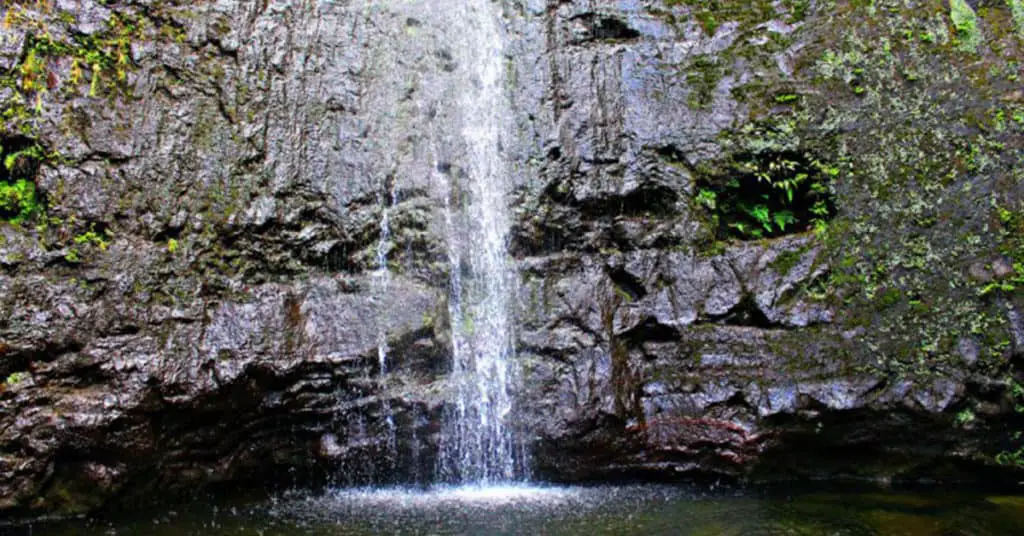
[[587, 511]]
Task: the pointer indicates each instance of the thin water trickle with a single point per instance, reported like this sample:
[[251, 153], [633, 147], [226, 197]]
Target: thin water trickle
[[383, 281], [478, 445]]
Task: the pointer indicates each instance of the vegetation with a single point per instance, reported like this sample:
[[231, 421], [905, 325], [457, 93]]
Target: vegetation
[[1015, 457], [1011, 234], [92, 238], [768, 189], [104, 55], [19, 201], [965, 417], [965, 21], [711, 14], [89, 239], [57, 63], [15, 379], [919, 144], [100, 61], [705, 73], [1017, 12]]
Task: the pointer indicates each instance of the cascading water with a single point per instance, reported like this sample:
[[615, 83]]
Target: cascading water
[[479, 446]]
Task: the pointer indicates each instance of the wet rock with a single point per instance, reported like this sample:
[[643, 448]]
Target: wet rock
[[329, 447], [1002, 268], [969, 350], [1016, 321]]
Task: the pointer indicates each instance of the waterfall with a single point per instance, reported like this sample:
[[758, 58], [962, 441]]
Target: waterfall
[[478, 444]]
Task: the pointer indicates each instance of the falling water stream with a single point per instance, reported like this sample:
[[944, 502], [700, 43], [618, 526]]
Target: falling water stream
[[478, 444], [382, 279]]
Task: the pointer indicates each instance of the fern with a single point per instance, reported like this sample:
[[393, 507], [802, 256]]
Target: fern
[[784, 218]]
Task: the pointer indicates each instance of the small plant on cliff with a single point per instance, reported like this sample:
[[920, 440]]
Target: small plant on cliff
[[1011, 235], [1017, 10], [1014, 457], [100, 239], [90, 238], [707, 199], [769, 195], [19, 201], [15, 379], [965, 22]]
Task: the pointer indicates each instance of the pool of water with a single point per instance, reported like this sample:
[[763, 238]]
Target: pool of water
[[587, 511]]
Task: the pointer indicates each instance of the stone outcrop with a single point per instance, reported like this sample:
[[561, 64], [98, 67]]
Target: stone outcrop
[[199, 303]]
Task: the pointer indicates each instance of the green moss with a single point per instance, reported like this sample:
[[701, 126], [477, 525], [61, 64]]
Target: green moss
[[965, 22], [1017, 11], [915, 153], [786, 261], [19, 202], [798, 9], [93, 238], [100, 60], [705, 72], [97, 63], [889, 298]]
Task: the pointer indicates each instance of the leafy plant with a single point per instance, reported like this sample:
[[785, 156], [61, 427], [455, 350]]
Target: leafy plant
[[90, 238], [707, 198], [783, 218], [15, 379], [769, 195], [19, 200]]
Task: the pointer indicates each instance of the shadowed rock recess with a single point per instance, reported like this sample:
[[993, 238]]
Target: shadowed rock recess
[[756, 240]]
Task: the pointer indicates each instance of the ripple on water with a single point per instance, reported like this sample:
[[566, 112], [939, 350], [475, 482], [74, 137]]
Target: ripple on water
[[578, 511]]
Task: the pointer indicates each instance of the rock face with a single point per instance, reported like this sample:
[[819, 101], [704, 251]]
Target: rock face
[[756, 240]]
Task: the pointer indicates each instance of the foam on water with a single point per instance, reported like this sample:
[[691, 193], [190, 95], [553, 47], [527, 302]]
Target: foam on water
[[445, 496]]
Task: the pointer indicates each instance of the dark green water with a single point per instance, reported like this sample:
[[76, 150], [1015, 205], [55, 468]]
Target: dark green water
[[648, 510]]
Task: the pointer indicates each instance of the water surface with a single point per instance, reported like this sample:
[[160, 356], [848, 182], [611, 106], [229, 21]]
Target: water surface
[[586, 511]]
